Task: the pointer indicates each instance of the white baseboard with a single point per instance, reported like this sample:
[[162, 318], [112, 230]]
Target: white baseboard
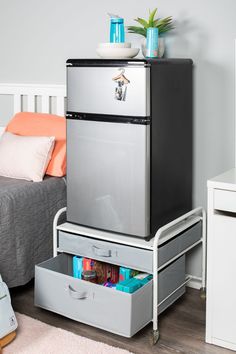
[[194, 283]]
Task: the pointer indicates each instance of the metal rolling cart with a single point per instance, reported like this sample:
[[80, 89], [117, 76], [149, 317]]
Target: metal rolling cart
[[164, 234]]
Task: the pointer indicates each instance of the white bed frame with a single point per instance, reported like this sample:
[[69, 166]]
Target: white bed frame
[[31, 93]]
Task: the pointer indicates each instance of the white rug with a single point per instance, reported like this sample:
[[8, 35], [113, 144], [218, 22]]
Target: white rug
[[35, 337]]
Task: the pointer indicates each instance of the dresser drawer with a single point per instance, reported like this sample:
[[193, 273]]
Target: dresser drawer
[[225, 200], [179, 243], [109, 309], [96, 305], [127, 256]]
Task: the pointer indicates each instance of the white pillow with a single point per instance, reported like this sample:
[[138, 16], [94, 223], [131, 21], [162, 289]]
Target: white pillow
[[25, 157]]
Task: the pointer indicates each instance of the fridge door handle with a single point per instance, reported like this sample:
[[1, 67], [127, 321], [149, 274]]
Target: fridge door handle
[[101, 252]]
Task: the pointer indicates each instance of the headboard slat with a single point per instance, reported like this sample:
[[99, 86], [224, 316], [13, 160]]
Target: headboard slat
[[60, 105], [30, 103], [17, 103], [45, 104]]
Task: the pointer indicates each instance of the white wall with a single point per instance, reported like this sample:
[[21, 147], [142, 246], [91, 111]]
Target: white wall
[[36, 38]]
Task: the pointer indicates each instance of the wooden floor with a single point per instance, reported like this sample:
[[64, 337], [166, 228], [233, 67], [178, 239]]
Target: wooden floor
[[182, 327]]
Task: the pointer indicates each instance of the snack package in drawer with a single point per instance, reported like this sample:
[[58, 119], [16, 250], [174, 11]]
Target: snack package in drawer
[[128, 286], [112, 273], [143, 278], [127, 273], [77, 267], [133, 284], [87, 264], [106, 272]]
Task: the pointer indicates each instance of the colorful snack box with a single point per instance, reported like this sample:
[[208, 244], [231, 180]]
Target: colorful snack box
[[144, 278], [87, 264], [77, 267], [129, 285], [133, 284], [111, 273], [99, 268], [126, 273], [106, 272]]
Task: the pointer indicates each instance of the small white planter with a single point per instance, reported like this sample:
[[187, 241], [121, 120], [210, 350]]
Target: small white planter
[[161, 47]]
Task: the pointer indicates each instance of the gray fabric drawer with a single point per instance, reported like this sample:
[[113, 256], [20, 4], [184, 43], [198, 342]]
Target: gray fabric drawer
[[109, 309], [127, 256], [178, 244], [132, 257]]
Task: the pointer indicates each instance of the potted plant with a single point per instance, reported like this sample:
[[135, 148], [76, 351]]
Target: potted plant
[[164, 25]]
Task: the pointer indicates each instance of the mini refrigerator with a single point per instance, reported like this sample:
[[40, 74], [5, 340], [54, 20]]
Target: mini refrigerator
[[129, 143]]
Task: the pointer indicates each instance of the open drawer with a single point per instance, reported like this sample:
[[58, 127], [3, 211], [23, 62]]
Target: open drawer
[[127, 256], [96, 305]]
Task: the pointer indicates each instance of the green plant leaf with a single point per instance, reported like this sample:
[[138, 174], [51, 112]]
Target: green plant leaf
[[151, 17], [166, 29], [138, 30], [163, 24], [142, 22], [155, 22], [163, 21]]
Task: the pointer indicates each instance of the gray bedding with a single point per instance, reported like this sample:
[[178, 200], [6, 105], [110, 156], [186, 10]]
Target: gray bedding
[[27, 210]]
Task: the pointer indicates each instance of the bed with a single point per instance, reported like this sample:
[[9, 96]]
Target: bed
[[27, 208]]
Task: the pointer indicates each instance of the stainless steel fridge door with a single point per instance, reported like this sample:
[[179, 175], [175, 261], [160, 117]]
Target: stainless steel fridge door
[[109, 90], [108, 175]]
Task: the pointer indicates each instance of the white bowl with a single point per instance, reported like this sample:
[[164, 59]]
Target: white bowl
[[114, 45], [117, 53]]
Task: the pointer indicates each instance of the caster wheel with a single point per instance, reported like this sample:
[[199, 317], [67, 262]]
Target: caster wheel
[[155, 337], [203, 293]]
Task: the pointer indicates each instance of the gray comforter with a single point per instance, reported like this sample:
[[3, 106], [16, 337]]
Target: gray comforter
[[27, 210]]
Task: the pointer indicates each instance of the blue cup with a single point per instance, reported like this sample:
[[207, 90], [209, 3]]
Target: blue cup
[[117, 30], [152, 42]]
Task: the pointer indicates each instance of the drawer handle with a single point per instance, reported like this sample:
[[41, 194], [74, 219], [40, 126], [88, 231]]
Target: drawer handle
[[101, 252], [77, 294]]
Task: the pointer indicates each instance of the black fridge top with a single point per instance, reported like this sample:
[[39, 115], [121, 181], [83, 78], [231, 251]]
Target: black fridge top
[[126, 62]]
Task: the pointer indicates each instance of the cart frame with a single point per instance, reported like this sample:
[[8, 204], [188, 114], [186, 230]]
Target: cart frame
[[163, 234]]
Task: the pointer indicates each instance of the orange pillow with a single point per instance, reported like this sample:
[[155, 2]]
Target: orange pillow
[[42, 124]]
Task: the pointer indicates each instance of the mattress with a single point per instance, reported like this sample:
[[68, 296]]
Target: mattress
[[27, 210]]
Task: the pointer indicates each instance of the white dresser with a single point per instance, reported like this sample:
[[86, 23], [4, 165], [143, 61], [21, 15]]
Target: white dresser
[[221, 261]]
